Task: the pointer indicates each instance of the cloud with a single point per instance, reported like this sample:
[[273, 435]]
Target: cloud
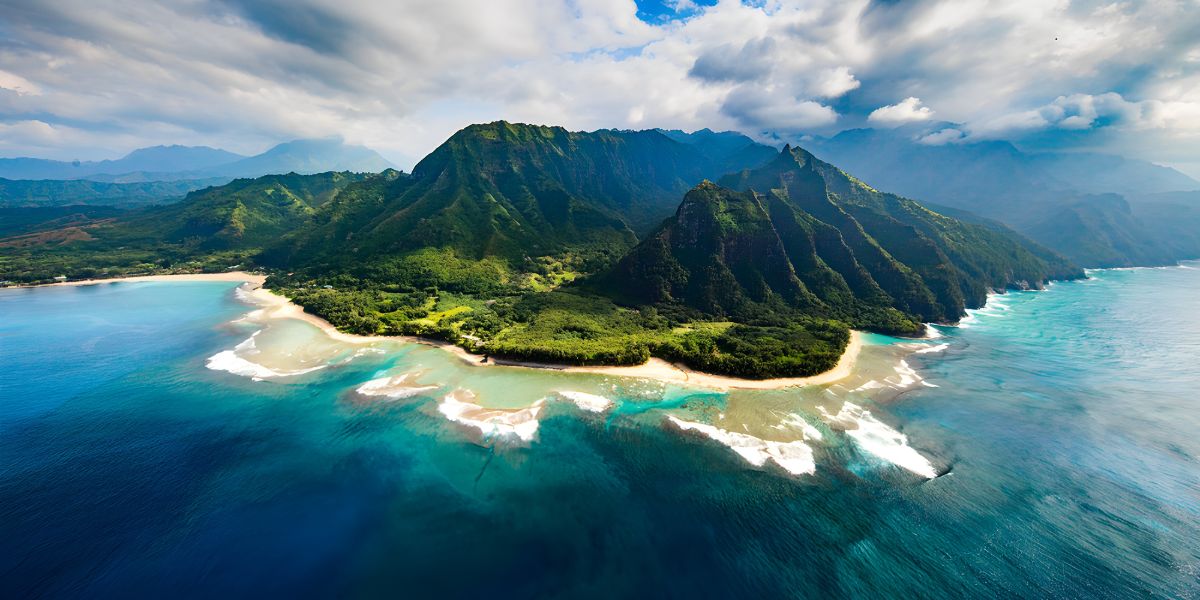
[[401, 77], [942, 137], [723, 63], [762, 110], [1087, 111], [835, 82], [906, 111]]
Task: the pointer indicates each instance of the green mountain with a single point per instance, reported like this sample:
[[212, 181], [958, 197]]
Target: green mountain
[[800, 236], [540, 244], [212, 228], [75, 192], [20, 220], [515, 192]]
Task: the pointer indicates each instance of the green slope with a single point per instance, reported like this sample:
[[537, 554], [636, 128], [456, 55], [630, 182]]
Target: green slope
[[514, 192], [802, 237], [210, 229]]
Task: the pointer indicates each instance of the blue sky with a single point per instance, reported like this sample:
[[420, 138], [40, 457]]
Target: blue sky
[[660, 11], [97, 78]]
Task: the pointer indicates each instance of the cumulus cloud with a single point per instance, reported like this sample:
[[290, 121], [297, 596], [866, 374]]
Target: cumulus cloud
[[906, 111], [110, 75]]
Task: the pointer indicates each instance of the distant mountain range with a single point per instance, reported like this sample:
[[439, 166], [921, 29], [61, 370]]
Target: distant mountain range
[[1099, 210], [166, 173]]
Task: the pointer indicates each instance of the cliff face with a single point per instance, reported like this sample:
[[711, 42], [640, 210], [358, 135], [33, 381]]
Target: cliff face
[[800, 235]]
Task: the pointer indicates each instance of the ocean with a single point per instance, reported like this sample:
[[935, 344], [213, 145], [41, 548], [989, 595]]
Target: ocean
[[164, 440]]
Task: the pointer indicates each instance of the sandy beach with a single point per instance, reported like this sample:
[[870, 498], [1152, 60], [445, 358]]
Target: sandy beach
[[275, 306], [253, 278], [278, 307]]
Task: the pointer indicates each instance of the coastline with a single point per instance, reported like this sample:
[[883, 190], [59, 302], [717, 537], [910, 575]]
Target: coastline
[[242, 276], [275, 306], [279, 307]]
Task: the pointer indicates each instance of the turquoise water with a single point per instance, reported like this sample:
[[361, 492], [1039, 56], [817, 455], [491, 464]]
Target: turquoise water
[[1063, 429]]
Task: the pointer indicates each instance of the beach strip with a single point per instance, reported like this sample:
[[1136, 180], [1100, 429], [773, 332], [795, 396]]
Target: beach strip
[[275, 306]]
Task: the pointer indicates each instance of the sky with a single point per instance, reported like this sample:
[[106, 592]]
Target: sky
[[91, 79]]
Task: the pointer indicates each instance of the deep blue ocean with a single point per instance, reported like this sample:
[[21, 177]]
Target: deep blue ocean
[[1065, 428]]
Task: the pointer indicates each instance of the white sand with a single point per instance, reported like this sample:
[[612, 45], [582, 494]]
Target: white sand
[[278, 307], [253, 278], [275, 306]]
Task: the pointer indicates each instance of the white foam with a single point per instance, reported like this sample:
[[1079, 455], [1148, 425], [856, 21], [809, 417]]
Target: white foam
[[392, 387], [232, 361], [796, 421], [932, 332], [967, 321], [876, 438], [588, 402], [929, 349], [492, 422], [243, 295], [870, 385], [794, 457], [907, 376]]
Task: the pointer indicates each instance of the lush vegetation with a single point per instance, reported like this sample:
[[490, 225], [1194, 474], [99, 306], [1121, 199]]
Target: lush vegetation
[[572, 327], [522, 242], [45, 192], [213, 230]]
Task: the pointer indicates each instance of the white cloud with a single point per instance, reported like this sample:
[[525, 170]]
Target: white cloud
[[941, 137], [1087, 111], [16, 83], [906, 111], [832, 83], [244, 74]]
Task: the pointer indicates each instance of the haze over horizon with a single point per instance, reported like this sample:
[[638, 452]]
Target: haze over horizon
[[97, 80]]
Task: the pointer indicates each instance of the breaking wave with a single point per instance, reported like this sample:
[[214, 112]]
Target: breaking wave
[[233, 361], [876, 438], [588, 402], [794, 457], [521, 423]]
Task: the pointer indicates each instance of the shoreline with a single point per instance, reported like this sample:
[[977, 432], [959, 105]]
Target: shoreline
[[279, 307], [275, 306], [235, 276]]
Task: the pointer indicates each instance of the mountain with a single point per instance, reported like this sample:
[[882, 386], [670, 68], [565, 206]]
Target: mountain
[[1057, 199], [165, 159], [175, 163], [216, 227], [21, 220], [1102, 173], [800, 235], [729, 150], [164, 174], [504, 240], [1173, 218], [306, 157], [74, 192], [514, 191]]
